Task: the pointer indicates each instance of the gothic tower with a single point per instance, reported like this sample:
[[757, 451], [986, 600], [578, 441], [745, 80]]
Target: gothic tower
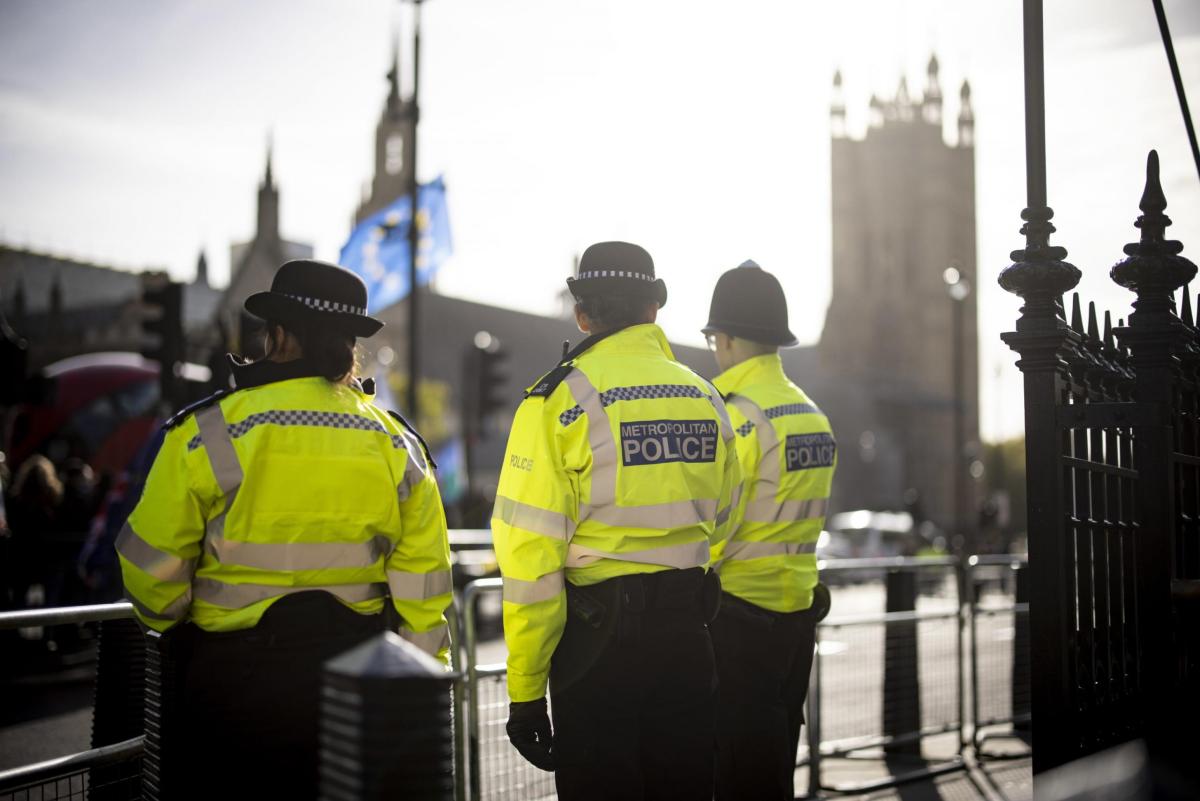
[[903, 208], [394, 141]]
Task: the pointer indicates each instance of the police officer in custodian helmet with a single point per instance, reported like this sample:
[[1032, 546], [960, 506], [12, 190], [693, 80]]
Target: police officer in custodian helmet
[[617, 481], [765, 633], [282, 523]]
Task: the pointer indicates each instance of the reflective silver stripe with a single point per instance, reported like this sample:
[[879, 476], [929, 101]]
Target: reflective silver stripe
[[176, 610], [219, 445], [722, 412], [430, 641], [723, 515], [532, 518], [519, 591], [236, 596], [600, 438], [283, 556], [418, 586], [768, 510], [152, 561], [655, 515], [689, 554], [768, 444], [756, 550], [415, 468]]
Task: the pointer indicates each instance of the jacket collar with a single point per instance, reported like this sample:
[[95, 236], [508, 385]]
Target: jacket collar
[[766, 369], [643, 337], [264, 371]]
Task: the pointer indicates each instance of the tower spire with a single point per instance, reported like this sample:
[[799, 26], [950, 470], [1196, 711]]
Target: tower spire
[[931, 105], [269, 175], [393, 76], [966, 117], [837, 108]]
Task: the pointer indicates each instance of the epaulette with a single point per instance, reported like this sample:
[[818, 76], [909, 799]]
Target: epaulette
[[546, 385], [192, 408], [424, 445]]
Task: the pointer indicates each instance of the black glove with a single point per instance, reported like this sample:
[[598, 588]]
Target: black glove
[[529, 731], [822, 601]]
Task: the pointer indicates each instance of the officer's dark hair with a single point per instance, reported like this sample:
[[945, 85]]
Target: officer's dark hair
[[613, 311], [333, 354]]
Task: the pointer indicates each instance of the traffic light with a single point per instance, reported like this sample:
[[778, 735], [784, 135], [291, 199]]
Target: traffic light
[[489, 375], [162, 329]]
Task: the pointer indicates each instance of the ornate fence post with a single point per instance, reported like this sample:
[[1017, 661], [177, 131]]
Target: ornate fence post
[[1156, 338], [1040, 276]]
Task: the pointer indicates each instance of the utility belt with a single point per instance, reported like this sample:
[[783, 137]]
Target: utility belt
[[299, 617], [691, 590]]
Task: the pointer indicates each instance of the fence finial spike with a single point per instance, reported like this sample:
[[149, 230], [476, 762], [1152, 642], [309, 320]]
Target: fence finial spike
[[1093, 330], [1109, 342], [1076, 314], [1186, 311]]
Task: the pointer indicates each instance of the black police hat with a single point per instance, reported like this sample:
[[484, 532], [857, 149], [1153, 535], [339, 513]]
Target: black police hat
[[617, 268], [310, 292], [748, 302]]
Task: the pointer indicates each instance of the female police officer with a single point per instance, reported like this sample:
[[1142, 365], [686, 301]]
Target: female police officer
[[282, 523]]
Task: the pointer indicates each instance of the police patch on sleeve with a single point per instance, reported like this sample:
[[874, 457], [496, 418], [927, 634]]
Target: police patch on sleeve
[[806, 451], [663, 441]]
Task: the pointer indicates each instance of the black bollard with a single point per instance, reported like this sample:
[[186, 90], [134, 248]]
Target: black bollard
[[117, 703], [163, 777], [386, 725], [901, 681], [1021, 690]]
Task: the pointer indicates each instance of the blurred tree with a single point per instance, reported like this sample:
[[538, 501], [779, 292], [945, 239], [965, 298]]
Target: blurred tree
[[1003, 519]]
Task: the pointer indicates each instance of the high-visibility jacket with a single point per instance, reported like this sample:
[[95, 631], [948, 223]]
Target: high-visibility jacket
[[788, 455], [620, 461], [292, 485]]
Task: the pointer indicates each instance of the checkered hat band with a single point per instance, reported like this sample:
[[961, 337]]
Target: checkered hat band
[[610, 396], [789, 409], [320, 304], [303, 418], [613, 274]]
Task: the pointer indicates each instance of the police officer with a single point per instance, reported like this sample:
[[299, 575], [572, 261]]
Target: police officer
[[617, 481], [281, 524], [765, 632]]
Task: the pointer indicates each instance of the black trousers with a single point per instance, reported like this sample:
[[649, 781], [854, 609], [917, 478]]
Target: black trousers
[[248, 700], [763, 661], [632, 691]]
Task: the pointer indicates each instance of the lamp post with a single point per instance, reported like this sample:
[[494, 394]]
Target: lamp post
[[958, 286]]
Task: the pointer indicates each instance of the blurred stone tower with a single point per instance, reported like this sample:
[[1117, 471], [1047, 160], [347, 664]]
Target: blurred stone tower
[[903, 217], [393, 148]]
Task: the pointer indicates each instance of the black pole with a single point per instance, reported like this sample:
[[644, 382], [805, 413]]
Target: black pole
[[414, 236], [959, 429], [1183, 104], [1035, 108]]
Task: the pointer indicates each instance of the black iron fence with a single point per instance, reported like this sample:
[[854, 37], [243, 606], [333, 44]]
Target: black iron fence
[[1113, 470]]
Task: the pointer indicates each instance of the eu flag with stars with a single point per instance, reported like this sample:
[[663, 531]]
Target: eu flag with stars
[[377, 249]]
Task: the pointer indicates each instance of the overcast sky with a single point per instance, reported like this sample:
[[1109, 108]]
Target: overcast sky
[[132, 132]]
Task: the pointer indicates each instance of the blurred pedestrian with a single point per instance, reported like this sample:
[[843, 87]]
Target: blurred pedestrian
[[765, 633], [281, 524], [34, 519], [618, 477]]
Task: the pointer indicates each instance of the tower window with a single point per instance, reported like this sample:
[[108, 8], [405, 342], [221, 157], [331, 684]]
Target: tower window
[[393, 155]]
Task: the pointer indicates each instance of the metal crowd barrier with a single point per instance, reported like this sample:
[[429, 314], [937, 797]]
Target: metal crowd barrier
[[899, 671], [919, 685], [999, 647], [109, 771]]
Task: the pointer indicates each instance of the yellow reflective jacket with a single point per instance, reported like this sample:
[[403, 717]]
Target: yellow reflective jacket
[[620, 461], [298, 484], [788, 456]]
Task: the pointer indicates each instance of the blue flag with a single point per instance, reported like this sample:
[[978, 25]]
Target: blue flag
[[377, 249]]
